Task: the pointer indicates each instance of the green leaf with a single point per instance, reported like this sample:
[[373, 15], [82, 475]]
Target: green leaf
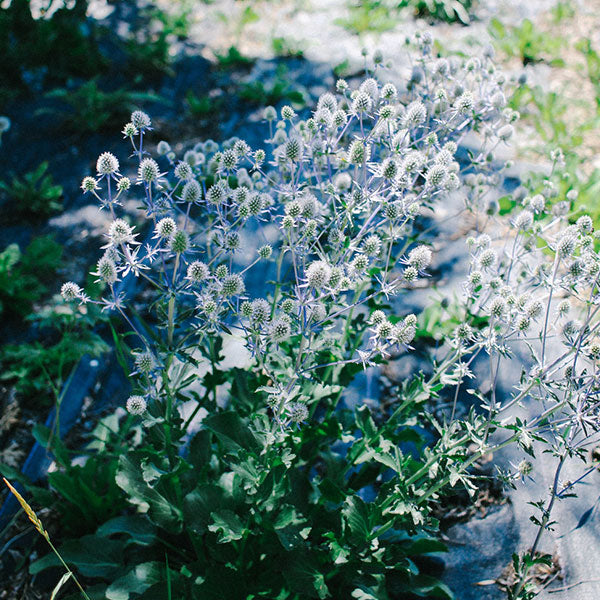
[[199, 504], [44, 437], [161, 511], [287, 516], [356, 514], [199, 454], [431, 587], [331, 491], [227, 524], [90, 555], [139, 529], [232, 431], [304, 577], [425, 545], [289, 537], [137, 581], [365, 422], [9, 257]]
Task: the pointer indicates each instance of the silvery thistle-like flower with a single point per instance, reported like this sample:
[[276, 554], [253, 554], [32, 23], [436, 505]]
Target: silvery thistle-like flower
[[184, 171], [107, 164], [136, 405], [192, 192], [179, 242], [107, 270], [70, 291], [129, 130], [148, 171], [420, 257], [260, 312], [318, 274], [140, 120], [197, 272], [297, 411], [144, 361], [233, 285], [165, 228], [414, 115], [89, 184], [280, 330], [120, 232]]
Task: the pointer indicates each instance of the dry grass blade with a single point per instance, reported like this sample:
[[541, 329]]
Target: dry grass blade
[[28, 510]]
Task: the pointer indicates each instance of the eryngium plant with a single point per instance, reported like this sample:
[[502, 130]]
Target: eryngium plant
[[259, 480]]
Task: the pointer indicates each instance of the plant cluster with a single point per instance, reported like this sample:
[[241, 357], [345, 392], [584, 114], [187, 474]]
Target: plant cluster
[[527, 42], [39, 368], [58, 36], [443, 10], [384, 15], [259, 479], [34, 194]]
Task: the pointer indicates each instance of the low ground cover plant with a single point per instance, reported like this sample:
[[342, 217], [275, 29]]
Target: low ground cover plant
[[254, 475]]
